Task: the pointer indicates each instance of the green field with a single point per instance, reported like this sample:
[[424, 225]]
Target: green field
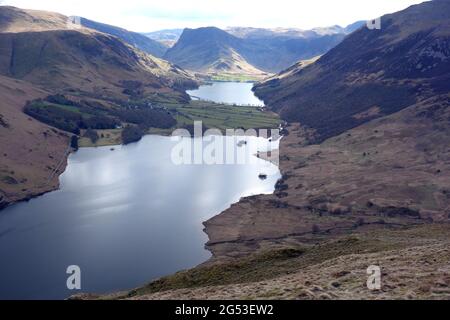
[[234, 77], [213, 116], [222, 116], [107, 137], [107, 122]]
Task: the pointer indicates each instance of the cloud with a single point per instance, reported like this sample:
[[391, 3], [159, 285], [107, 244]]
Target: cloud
[[148, 15]]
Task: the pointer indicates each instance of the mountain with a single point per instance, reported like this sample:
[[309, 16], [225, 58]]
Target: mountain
[[16, 20], [51, 54], [135, 39], [372, 73], [167, 37], [210, 50], [249, 50]]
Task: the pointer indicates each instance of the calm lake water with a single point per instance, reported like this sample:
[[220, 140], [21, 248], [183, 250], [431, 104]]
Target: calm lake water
[[125, 217], [227, 92]]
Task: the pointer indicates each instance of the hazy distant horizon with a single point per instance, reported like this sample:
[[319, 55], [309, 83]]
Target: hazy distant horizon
[[151, 15]]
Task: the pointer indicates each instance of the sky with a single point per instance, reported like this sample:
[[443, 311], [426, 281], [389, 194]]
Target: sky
[[151, 15]]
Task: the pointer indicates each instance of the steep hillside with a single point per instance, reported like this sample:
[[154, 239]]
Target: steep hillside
[[19, 20], [372, 73], [258, 50], [135, 39], [60, 58], [87, 62], [414, 263], [31, 152]]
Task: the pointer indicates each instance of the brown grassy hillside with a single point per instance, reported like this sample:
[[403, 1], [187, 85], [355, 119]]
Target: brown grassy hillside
[[384, 70], [30, 150], [18, 20], [41, 48]]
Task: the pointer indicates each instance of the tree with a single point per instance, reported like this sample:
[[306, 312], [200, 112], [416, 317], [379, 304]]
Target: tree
[[74, 142], [92, 135], [131, 134]]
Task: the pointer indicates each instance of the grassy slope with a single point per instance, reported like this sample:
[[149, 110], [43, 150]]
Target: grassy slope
[[333, 269], [30, 150]]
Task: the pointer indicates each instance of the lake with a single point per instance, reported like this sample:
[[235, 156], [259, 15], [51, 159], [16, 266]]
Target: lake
[[227, 92], [124, 216]]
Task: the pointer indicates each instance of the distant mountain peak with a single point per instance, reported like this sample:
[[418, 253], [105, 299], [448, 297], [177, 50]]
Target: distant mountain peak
[[260, 50]]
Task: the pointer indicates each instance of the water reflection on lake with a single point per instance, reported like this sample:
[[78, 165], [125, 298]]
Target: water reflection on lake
[[227, 92], [125, 217]]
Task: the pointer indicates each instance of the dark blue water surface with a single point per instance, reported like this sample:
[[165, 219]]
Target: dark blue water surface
[[125, 217]]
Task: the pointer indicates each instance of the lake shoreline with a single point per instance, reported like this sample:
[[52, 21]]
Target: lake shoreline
[[5, 203], [40, 191]]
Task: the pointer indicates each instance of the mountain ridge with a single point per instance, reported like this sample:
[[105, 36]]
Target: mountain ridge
[[135, 39], [262, 51]]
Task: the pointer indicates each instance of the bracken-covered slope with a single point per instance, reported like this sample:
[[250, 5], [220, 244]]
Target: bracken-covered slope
[[376, 194], [50, 54], [372, 73], [88, 62], [30, 150]]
